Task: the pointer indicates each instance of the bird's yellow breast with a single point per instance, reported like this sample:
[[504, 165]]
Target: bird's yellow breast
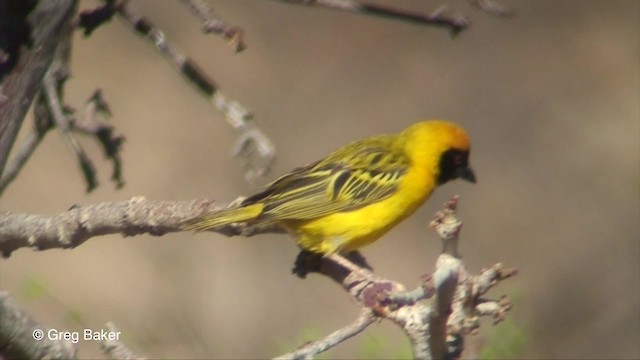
[[350, 230]]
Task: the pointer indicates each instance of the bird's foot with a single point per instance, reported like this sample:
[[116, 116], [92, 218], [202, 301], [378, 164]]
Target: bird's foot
[[307, 262]]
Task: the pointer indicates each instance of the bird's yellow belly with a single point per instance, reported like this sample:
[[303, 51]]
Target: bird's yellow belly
[[350, 230]]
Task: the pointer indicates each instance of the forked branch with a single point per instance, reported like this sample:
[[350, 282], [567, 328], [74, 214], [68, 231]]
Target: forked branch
[[436, 330]]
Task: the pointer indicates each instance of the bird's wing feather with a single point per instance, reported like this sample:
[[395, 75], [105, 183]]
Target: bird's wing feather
[[357, 175]]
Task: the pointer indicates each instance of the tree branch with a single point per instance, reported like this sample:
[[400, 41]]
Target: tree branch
[[18, 333], [19, 159], [437, 18], [19, 87], [50, 88], [213, 24], [435, 330], [307, 351], [134, 217], [493, 8], [252, 144]]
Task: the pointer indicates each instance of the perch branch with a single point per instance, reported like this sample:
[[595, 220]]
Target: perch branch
[[133, 217], [213, 24], [18, 332], [435, 329], [437, 18]]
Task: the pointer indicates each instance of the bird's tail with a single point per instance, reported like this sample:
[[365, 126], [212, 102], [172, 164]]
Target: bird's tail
[[223, 217]]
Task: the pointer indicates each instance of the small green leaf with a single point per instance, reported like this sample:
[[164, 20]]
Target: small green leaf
[[35, 288]]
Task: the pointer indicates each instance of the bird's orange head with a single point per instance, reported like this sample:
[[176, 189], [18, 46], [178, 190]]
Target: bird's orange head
[[442, 146]]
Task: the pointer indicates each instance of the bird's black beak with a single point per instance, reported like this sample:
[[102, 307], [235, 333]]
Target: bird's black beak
[[467, 173]]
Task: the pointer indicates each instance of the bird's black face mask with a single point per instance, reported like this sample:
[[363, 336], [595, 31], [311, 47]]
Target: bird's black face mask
[[455, 164]]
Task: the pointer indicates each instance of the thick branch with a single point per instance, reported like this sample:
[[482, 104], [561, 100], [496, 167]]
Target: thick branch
[[18, 332], [129, 218], [18, 89]]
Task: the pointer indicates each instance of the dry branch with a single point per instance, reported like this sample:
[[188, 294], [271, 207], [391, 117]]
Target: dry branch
[[436, 330], [63, 123], [17, 335], [252, 144], [492, 7], [128, 218], [454, 313], [213, 24], [22, 154], [438, 18], [307, 351], [19, 87], [51, 112]]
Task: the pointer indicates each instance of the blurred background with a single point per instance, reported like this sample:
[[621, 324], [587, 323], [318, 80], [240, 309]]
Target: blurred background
[[550, 99]]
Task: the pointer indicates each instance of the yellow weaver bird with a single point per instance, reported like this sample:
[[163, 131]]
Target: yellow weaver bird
[[357, 193]]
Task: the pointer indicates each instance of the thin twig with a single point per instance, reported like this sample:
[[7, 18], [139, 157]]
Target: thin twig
[[62, 123], [308, 351], [15, 164], [437, 18], [488, 278], [492, 7], [213, 24], [255, 147]]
